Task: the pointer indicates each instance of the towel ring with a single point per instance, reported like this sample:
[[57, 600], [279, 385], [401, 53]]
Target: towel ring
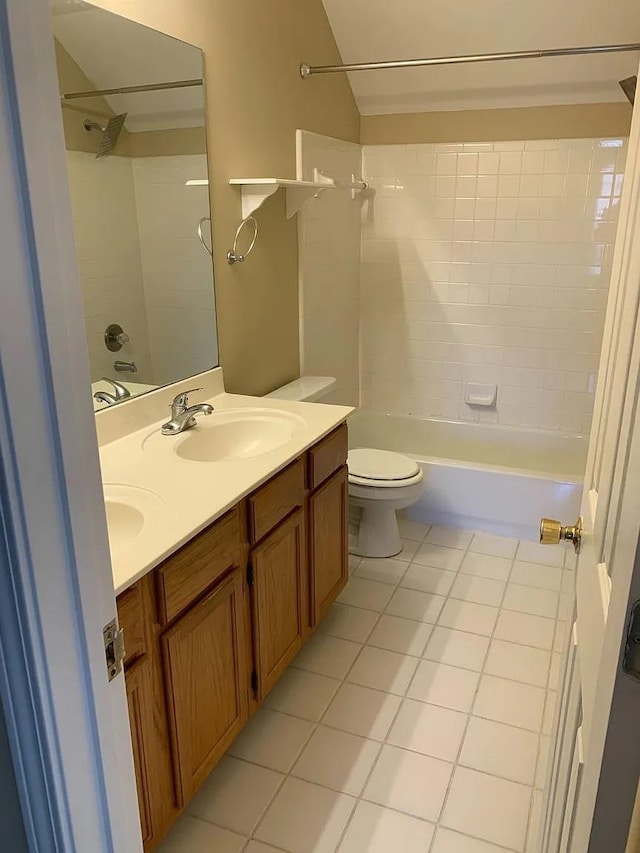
[[201, 235], [233, 257]]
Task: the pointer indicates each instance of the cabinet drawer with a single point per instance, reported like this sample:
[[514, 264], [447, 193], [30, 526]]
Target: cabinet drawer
[[193, 569], [131, 618], [327, 456], [273, 502]]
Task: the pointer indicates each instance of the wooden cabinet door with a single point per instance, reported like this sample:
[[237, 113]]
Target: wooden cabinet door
[[139, 690], [328, 534], [279, 600], [206, 677]]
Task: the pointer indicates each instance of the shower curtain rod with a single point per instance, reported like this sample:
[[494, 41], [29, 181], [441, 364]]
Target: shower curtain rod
[[308, 70], [128, 90]]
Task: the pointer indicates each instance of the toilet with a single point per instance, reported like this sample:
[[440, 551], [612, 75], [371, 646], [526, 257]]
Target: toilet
[[380, 482]]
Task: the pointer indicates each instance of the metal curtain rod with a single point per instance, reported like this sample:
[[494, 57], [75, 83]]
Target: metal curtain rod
[[308, 70], [128, 90]]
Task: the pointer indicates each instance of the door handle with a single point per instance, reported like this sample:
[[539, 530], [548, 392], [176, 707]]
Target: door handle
[[552, 533]]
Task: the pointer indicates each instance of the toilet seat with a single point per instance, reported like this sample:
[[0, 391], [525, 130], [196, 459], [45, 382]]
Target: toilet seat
[[382, 469]]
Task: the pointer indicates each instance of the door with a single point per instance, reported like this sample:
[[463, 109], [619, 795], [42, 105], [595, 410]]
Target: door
[[328, 526], [278, 576], [595, 764], [205, 670]]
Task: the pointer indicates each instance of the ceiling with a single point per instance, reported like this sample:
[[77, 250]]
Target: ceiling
[[377, 30], [113, 51]]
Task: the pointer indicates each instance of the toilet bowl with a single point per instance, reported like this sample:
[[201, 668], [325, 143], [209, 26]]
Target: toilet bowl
[[380, 483]]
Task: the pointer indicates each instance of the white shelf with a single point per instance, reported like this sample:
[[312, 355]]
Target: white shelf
[[255, 191]]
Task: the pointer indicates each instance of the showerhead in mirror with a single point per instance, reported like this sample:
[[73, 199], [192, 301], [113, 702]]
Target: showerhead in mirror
[[628, 86], [110, 133]]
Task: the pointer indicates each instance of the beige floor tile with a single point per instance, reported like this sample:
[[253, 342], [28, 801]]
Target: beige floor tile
[[451, 537], [348, 623], [486, 566], [190, 835], [448, 686], [528, 599], [383, 670], [536, 574], [327, 655], [439, 556], [479, 590], [493, 546], [500, 750], [412, 529], [510, 702], [337, 760], [374, 829], [272, 739], [400, 635], [387, 571], [412, 604], [302, 694], [428, 579], [409, 782], [370, 595], [532, 552], [468, 616], [485, 807], [521, 663], [362, 711], [525, 629], [235, 795], [457, 648], [447, 841], [428, 729], [305, 818]]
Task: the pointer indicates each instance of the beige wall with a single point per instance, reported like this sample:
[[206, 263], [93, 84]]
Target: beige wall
[[255, 102], [576, 121]]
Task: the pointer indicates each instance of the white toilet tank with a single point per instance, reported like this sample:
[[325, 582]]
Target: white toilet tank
[[307, 389]]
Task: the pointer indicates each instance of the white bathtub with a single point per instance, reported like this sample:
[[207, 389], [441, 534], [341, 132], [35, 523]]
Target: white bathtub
[[496, 479]]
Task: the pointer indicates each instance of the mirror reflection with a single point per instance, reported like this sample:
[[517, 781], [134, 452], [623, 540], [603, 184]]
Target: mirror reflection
[[133, 111]]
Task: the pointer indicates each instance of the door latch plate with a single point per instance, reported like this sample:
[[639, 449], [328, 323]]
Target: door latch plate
[[114, 651]]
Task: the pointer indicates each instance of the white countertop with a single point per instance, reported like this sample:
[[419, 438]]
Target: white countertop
[[180, 497]]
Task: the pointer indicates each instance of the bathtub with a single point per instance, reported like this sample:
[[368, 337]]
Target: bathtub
[[495, 479]]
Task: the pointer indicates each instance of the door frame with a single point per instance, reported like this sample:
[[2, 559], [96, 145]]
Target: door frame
[[67, 725]]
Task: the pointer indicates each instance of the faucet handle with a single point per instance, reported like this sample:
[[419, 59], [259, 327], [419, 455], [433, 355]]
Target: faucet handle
[[121, 391], [181, 400]]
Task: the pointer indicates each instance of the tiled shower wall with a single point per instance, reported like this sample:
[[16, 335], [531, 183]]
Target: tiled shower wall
[[488, 263]]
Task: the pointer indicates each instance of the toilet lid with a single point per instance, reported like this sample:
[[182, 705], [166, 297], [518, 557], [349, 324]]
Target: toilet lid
[[369, 464]]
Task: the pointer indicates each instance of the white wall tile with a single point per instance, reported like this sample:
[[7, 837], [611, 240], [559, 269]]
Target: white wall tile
[[472, 248]]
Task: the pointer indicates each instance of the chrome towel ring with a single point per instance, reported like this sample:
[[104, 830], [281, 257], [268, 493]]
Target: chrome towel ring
[[233, 256], [204, 219]]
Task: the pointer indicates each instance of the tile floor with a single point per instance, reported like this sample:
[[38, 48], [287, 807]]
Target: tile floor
[[417, 718]]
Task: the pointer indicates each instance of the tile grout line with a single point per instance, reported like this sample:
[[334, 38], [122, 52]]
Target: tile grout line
[[381, 744], [456, 763]]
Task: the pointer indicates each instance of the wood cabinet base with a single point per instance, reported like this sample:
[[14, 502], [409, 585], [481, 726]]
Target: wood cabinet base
[[211, 630]]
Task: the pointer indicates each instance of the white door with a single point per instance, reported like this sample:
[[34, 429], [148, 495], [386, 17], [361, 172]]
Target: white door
[[67, 724], [595, 761]]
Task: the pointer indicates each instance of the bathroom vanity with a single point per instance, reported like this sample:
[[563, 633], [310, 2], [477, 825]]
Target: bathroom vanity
[[210, 628]]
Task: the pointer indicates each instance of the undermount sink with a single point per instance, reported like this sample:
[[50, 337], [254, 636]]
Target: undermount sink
[[128, 508], [236, 434]]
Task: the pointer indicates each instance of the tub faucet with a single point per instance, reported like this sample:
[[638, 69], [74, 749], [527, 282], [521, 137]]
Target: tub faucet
[[183, 415], [120, 392]]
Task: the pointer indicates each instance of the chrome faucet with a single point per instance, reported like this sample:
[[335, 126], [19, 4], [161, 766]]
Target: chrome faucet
[[120, 392], [183, 415]]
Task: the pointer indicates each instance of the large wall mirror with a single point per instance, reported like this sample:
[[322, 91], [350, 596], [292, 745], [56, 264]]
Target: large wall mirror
[[134, 120]]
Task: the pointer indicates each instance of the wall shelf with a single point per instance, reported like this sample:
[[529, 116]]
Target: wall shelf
[[255, 191]]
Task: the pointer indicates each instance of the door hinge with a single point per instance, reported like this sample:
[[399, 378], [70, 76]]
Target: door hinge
[[113, 648], [254, 681], [250, 574]]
